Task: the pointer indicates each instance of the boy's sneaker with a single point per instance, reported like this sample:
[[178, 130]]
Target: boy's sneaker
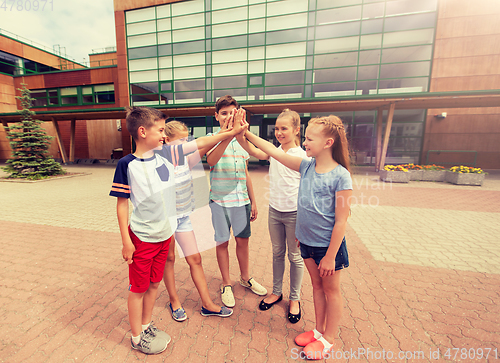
[[178, 314], [254, 286], [226, 295], [150, 344], [223, 313], [153, 331]]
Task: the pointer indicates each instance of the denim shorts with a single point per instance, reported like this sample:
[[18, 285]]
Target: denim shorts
[[317, 253], [184, 224]]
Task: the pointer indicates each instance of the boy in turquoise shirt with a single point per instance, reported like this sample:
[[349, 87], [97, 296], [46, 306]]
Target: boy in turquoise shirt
[[232, 201]]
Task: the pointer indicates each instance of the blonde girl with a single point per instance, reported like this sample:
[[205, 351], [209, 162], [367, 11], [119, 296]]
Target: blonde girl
[[283, 192], [322, 210], [176, 133]]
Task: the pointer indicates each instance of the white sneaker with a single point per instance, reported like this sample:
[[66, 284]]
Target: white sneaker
[[226, 295], [254, 286]]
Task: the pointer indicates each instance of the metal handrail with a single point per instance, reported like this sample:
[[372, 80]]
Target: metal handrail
[[452, 151]]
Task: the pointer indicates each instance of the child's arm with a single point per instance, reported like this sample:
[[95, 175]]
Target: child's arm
[[208, 142], [250, 148], [214, 156], [122, 214], [342, 207], [292, 162], [251, 195]]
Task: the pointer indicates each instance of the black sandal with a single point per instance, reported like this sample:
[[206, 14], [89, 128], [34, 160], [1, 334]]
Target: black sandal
[[294, 318], [265, 306]]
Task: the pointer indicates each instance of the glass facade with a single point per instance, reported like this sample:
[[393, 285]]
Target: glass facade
[[74, 96], [14, 66], [192, 52]]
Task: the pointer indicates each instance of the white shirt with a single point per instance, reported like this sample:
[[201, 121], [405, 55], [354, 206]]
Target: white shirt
[[284, 183]]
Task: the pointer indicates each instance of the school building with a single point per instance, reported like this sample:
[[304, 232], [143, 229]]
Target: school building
[[413, 81]]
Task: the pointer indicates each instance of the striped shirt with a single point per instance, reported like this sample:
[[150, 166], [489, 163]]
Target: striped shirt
[[184, 193], [228, 182]]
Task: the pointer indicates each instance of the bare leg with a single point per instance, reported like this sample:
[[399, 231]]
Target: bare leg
[[328, 303], [242, 253], [196, 268], [223, 261], [334, 305], [169, 277], [135, 305], [318, 295], [149, 302]]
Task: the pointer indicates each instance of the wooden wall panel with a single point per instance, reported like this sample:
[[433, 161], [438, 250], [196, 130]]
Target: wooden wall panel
[[467, 8], [466, 26], [102, 75], [32, 82], [10, 46], [7, 104], [54, 148], [103, 136], [102, 59], [81, 139], [121, 5], [466, 57], [467, 46]]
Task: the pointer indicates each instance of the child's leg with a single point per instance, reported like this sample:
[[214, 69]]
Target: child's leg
[[149, 303], [334, 305], [278, 241], [187, 239], [319, 297], [223, 261], [169, 277], [135, 311], [242, 253]]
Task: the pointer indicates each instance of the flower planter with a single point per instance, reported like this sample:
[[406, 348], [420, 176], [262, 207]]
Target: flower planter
[[415, 174], [464, 178], [433, 175], [395, 176]]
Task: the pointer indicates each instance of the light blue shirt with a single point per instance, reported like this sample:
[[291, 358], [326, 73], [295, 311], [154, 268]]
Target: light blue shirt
[[316, 202]]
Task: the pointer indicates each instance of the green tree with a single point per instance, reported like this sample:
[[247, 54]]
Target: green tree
[[30, 144]]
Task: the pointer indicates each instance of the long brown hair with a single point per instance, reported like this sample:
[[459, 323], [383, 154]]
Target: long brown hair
[[333, 127], [295, 119]]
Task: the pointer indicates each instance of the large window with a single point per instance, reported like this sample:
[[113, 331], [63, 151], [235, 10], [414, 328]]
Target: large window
[[73, 96], [282, 50]]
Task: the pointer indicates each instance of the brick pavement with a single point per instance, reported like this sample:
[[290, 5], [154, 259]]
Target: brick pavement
[[423, 277]]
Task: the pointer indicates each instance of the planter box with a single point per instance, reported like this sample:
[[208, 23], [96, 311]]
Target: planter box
[[433, 175], [416, 174], [464, 179], [395, 176]]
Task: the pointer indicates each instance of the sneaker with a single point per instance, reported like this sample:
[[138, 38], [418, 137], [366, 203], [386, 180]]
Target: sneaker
[[317, 349], [223, 313], [154, 331], [150, 344], [226, 295], [254, 286]]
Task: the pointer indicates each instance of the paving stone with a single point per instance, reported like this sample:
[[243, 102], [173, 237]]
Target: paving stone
[[424, 275]]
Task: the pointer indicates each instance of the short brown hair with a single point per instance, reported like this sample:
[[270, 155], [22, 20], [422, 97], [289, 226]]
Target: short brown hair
[[225, 101], [173, 127], [142, 116]]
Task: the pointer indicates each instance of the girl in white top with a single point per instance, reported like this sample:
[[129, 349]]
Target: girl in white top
[[283, 192]]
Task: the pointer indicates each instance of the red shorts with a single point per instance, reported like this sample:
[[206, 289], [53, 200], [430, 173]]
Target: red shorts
[[148, 263]]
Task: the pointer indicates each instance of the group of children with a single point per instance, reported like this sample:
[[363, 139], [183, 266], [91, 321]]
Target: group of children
[[308, 209]]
